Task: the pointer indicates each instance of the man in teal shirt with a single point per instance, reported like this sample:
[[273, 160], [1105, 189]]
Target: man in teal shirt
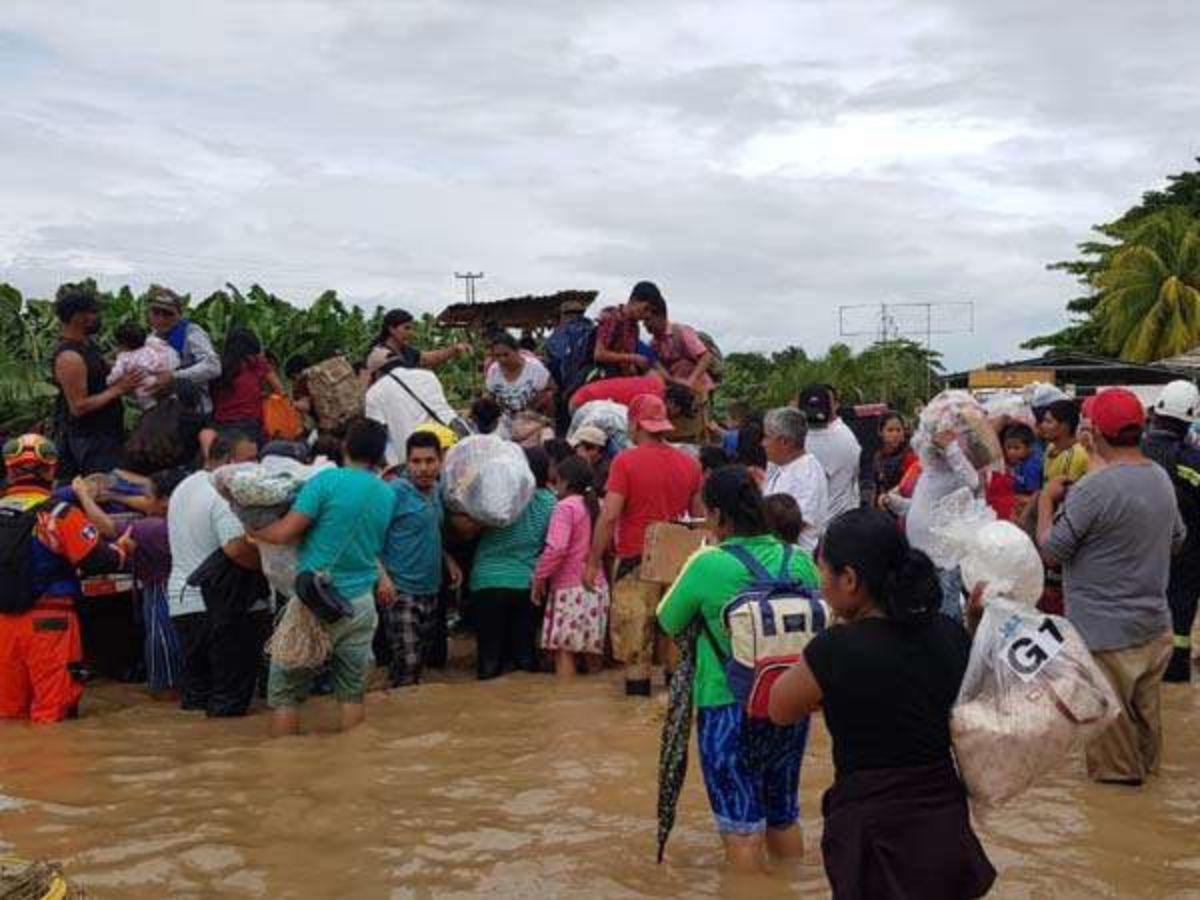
[[340, 519], [413, 558]]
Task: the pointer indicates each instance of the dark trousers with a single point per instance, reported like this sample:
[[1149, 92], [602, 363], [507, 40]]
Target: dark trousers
[[504, 631], [221, 661], [436, 650], [87, 454], [1182, 595]]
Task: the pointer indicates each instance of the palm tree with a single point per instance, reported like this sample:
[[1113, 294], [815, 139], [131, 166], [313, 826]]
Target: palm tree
[[1150, 290]]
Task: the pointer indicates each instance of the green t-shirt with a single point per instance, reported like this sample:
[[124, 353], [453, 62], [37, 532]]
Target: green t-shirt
[[707, 583], [350, 511], [506, 557]]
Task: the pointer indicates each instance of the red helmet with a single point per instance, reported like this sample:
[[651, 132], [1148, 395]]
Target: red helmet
[[30, 456]]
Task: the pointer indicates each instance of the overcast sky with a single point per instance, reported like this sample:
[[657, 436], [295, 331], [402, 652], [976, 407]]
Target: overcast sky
[[763, 162]]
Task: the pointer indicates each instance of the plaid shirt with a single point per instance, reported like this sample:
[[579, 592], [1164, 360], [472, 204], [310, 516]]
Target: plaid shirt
[[616, 332]]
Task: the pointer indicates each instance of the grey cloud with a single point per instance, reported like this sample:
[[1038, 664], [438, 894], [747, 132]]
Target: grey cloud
[[378, 147]]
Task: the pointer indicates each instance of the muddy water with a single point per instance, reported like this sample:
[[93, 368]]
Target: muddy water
[[517, 788]]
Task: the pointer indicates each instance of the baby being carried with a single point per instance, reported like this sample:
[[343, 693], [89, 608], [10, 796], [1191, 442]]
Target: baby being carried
[[151, 356]]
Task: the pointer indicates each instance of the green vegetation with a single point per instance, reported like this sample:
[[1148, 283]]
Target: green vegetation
[[899, 372], [317, 331], [1143, 280]]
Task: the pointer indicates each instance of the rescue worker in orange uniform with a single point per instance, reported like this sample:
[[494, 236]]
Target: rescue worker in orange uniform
[[44, 547]]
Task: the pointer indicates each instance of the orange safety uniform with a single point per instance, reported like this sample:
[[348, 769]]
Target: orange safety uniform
[[40, 647]]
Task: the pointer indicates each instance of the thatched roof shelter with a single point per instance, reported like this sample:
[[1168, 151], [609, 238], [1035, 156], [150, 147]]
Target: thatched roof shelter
[[515, 312]]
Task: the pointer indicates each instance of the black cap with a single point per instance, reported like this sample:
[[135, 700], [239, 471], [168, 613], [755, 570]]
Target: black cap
[[816, 404]]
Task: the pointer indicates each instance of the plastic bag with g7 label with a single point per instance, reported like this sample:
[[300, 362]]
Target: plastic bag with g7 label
[[1031, 695]]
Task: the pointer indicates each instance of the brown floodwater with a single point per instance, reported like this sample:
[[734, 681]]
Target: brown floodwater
[[521, 787]]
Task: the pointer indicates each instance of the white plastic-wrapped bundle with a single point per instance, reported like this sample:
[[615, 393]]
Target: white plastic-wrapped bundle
[[259, 493], [488, 479], [1032, 693], [1001, 555], [280, 563], [962, 414], [609, 416], [1006, 407], [954, 522]]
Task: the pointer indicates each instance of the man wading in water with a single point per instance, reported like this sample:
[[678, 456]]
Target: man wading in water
[[340, 519], [653, 482]]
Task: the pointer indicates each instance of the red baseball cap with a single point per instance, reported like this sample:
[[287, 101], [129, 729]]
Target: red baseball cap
[[649, 413], [1114, 410]]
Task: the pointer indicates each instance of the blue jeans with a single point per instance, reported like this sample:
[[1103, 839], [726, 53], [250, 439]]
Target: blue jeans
[[951, 582]]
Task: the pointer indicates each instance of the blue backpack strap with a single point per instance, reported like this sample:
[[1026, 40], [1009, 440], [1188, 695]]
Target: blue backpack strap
[[785, 569], [746, 558]]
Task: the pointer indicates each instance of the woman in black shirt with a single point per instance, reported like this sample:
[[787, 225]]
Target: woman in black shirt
[[896, 821]]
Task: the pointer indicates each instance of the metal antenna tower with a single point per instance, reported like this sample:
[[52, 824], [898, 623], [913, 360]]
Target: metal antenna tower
[[913, 321]]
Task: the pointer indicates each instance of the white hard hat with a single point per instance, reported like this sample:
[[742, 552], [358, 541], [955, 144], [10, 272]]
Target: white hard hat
[[1178, 400], [1043, 395]]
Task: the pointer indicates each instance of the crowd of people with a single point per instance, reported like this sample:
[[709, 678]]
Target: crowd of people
[[1111, 498]]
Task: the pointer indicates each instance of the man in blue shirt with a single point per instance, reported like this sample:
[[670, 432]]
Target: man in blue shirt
[[340, 519], [413, 557]]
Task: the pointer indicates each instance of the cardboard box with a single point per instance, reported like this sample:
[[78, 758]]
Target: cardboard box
[[668, 546]]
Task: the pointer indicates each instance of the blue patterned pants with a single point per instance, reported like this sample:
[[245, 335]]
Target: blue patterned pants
[[751, 769]]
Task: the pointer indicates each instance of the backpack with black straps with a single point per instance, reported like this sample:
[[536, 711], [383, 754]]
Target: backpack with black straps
[[770, 622], [16, 558]]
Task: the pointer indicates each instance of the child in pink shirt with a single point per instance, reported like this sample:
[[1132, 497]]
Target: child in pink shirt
[[576, 619], [149, 355]]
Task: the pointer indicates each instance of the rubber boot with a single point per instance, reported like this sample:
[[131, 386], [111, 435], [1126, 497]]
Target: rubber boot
[[1179, 669]]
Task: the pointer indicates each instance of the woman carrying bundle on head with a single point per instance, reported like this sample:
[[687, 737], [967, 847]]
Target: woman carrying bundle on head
[[576, 619], [896, 822]]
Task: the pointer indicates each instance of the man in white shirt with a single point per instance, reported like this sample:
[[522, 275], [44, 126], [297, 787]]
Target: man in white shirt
[[834, 445], [792, 471], [220, 658], [403, 398]]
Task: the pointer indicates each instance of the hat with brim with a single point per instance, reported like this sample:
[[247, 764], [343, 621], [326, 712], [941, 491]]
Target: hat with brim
[[649, 413], [588, 434], [165, 298]]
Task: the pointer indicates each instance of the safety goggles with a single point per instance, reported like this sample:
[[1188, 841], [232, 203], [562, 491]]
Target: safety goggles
[[30, 448]]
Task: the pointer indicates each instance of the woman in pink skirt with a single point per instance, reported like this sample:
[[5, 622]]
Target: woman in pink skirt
[[576, 619]]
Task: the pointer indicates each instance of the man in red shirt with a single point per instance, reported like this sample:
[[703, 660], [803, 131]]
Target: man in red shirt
[[652, 482], [617, 330]]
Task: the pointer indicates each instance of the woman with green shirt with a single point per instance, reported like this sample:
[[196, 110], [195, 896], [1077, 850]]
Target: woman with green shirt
[[755, 805], [506, 620]]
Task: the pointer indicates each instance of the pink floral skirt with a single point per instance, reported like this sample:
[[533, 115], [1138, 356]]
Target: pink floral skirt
[[576, 620]]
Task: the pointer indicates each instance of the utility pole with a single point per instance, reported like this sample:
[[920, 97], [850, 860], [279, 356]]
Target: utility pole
[[468, 279]]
